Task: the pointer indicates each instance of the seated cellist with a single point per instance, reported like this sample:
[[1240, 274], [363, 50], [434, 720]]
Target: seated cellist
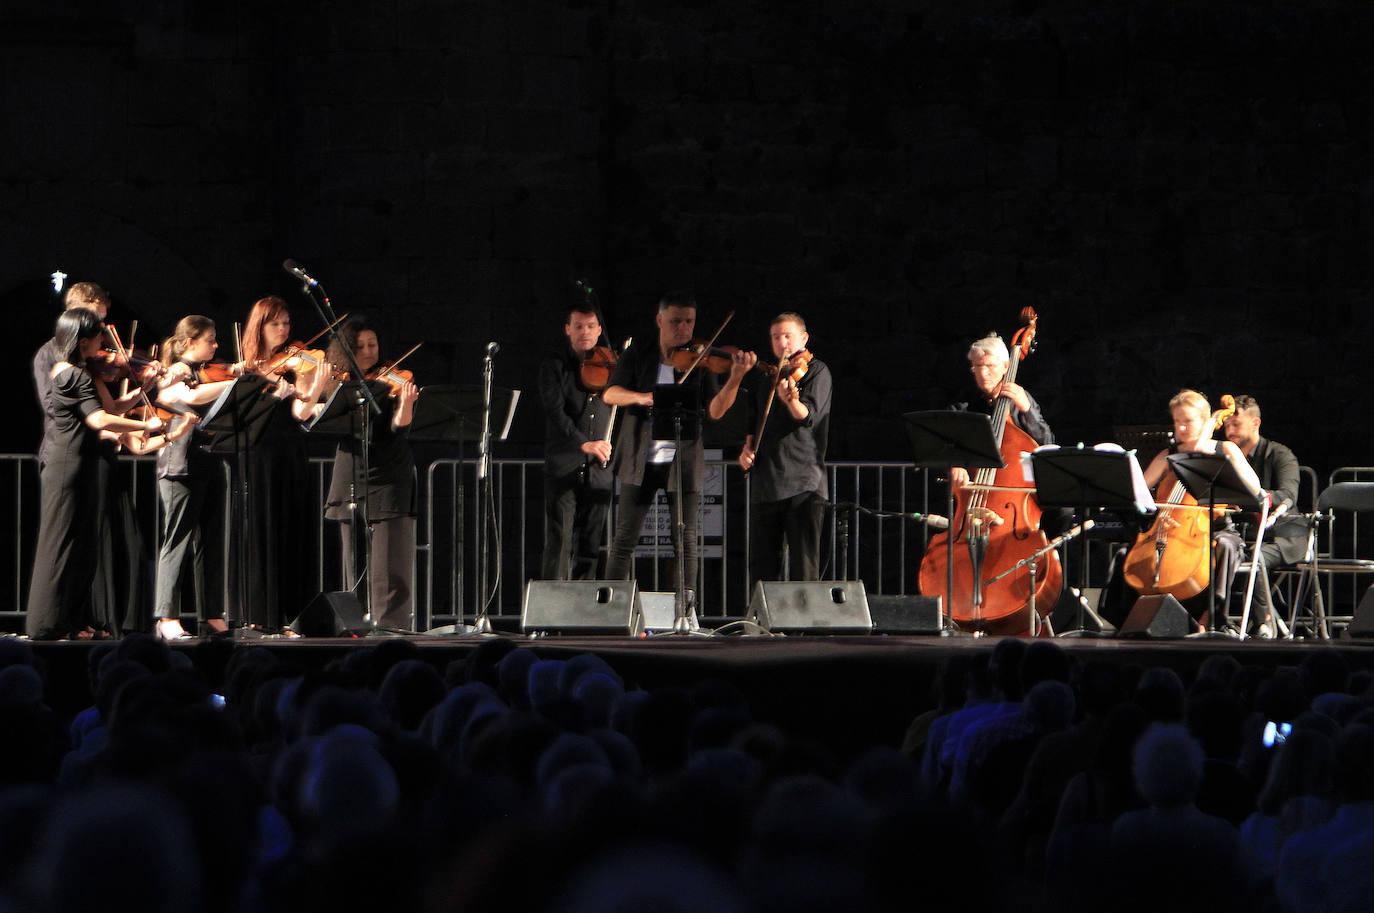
[[1194, 424]]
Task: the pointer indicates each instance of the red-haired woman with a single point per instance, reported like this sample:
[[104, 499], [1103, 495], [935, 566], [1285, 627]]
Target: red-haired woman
[[281, 512]]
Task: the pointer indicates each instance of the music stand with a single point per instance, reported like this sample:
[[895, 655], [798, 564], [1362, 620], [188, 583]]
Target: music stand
[[237, 421], [1084, 480], [347, 414], [944, 439], [676, 415], [1210, 477], [453, 414]]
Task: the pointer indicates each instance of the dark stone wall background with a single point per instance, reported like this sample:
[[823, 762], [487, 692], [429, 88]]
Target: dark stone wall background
[[1183, 191]]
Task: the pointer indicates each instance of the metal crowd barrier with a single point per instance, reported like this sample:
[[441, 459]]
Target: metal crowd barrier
[[884, 553]]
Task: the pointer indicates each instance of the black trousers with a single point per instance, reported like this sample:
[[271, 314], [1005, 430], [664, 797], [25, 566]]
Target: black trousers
[[797, 521], [574, 527], [635, 501], [191, 505], [390, 572]]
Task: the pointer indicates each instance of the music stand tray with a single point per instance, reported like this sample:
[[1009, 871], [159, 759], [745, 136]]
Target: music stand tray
[[676, 401], [240, 416], [942, 439], [340, 414], [453, 413]]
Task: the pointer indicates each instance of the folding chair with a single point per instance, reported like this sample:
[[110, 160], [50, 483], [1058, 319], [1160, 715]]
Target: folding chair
[[1342, 497]]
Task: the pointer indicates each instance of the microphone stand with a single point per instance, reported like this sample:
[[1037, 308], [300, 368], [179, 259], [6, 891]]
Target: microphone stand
[[481, 623], [325, 309]]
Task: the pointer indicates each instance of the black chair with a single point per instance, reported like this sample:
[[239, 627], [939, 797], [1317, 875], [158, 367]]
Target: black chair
[[1342, 497]]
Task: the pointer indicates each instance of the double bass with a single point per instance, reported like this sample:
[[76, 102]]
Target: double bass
[[998, 520], [1172, 557]]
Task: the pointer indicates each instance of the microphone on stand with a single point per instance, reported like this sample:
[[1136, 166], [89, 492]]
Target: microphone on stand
[[295, 269], [934, 521], [493, 348]]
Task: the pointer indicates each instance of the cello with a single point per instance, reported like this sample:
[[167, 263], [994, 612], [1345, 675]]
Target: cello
[[998, 519], [1172, 556]]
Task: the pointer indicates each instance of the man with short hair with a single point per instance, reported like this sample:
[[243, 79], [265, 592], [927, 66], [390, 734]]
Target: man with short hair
[[79, 294], [1286, 541], [644, 465], [577, 482], [786, 465]]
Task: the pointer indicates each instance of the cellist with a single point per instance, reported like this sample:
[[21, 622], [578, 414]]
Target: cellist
[[988, 360], [1193, 427]]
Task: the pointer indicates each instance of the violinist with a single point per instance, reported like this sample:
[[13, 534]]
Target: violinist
[[577, 451], [1193, 427], [785, 456], [66, 555], [281, 511], [387, 513], [79, 294], [645, 465], [190, 483]]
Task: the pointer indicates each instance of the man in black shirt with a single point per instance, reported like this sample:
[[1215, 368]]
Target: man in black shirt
[[786, 464], [645, 465], [1286, 541], [577, 482]]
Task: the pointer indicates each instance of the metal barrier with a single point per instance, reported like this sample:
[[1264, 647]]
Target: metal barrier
[[883, 552]]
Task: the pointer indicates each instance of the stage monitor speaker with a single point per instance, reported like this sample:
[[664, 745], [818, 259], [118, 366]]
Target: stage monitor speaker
[[910, 614], [1156, 618], [658, 612], [1362, 622], [580, 607], [810, 607], [332, 614]]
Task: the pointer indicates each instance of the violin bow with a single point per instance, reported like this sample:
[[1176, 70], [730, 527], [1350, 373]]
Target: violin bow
[[706, 348], [408, 353], [768, 406], [610, 426]]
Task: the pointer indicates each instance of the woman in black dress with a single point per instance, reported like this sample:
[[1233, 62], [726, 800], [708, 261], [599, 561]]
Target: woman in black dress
[[190, 484], [276, 581], [388, 510], [69, 533]]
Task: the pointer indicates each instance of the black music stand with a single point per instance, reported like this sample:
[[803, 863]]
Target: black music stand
[[1084, 480], [1210, 478], [347, 414], [453, 414], [676, 416], [237, 421], [944, 439]]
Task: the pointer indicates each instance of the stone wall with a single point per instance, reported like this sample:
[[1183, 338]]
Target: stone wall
[[1181, 190]]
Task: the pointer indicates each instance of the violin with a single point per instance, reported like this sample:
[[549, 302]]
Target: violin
[[793, 367], [595, 371], [700, 353], [1171, 557], [295, 357], [214, 371], [392, 377], [110, 366]]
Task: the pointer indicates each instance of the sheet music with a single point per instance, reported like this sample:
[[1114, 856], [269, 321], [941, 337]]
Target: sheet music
[[1144, 500]]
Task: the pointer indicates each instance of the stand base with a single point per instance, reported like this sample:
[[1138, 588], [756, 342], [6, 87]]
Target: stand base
[[1083, 632], [1213, 635]]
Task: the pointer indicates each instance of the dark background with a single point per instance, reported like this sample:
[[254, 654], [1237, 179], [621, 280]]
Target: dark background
[[1182, 190]]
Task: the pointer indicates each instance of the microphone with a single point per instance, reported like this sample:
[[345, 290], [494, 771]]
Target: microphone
[[295, 269], [934, 521], [493, 348]]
